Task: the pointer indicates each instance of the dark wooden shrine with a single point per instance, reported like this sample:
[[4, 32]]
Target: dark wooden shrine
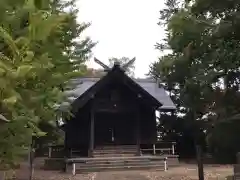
[[114, 110]]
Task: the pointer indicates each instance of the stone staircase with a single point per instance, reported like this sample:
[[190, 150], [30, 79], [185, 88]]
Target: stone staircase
[[118, 163], [115, 151], [112, 158]]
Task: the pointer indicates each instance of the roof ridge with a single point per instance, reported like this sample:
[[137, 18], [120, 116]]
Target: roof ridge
[[86, 79], [145, 80], [95, 79]]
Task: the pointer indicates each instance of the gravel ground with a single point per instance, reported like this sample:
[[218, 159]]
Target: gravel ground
[[183, 172], [189, 172]]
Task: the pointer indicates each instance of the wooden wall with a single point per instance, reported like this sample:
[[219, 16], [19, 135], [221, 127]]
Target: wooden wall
[[122, 107]]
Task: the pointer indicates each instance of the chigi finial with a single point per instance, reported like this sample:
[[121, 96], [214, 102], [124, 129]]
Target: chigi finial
[[105, 67], [129, 63], [116, 63]]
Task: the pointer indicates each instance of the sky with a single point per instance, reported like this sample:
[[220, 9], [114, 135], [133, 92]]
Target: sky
[[123, 28]]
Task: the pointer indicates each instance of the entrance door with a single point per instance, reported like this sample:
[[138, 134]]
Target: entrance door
[[125, 129], [114, 129], [104, 129], [109, 132]]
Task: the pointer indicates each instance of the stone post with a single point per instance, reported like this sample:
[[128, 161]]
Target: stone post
[[237, 168], [173, 148]]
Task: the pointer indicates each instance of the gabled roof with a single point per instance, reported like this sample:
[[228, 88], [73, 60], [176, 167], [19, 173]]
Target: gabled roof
[[82, 85], [114, 74]]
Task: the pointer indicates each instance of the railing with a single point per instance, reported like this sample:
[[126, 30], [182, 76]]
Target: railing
[[55, 151], [154, 150]]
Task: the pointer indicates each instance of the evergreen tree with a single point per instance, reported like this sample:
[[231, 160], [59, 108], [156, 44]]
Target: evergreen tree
[[41, 51], [202, 70]]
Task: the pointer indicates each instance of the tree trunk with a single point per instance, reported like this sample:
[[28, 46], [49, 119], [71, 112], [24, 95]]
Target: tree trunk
[[2, 175], [199, 162], [31, 157], [198, 147]]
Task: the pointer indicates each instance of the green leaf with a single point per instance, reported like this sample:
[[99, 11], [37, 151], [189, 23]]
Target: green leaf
[[40, 134], [23, 70], [2, 72], [29, 56], [10, 42], [10, 101]]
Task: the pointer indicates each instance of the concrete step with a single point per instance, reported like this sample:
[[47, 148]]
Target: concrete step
[[113, 151], [117, 164], [116, 147], [112, 163], [103, 153], [117, 168], [80, 160], [114, 155], [124, 160], [124, 164], [118, 161]]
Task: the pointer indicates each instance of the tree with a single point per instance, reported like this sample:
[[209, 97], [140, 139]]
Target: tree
[[40, 52], [183, 70], [202, 71], [94, 73]]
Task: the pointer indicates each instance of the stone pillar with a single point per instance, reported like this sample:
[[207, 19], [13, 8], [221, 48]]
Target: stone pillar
[[154, 149], [173, 148]]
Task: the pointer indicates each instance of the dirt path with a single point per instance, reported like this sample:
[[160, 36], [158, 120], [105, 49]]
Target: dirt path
[[183, 172], [189, 172], [123, 175]]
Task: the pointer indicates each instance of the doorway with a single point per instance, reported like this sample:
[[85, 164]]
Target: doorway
[[114, 129]]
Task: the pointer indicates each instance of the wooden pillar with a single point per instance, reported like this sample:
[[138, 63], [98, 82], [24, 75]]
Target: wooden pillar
[[65, 154], [138, 135], [49, 151], [91, 143], [65, 149]]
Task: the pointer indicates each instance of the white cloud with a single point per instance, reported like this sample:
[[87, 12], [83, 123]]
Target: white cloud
[[123, 28]]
